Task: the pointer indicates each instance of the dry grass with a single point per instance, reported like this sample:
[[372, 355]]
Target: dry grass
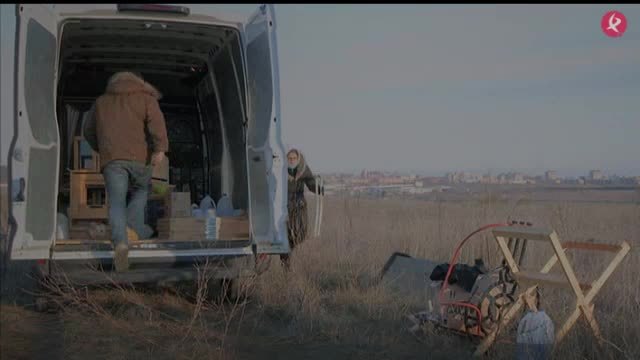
[[329, 306], [326, 294]]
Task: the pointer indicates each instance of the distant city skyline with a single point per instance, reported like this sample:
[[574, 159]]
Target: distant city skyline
[[564, 173]]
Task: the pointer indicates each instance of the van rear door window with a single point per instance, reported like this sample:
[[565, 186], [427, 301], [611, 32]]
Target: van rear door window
[[38, 82]]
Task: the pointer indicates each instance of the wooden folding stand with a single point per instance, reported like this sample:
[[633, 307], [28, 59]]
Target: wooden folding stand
[[584, 302]]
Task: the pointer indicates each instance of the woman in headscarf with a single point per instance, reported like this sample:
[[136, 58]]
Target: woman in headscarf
[[299, 175]]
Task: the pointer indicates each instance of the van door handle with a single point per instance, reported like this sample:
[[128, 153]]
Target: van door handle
[[256, 158], [17, 190], [18, 155]]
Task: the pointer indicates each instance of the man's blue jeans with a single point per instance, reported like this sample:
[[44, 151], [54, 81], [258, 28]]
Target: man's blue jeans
[[120, 177]]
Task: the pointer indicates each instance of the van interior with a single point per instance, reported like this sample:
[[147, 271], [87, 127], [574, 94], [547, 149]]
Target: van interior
[[199, 71]]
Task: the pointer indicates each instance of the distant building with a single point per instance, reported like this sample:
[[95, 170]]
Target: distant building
[[456, 177], [489, 179], [518, 178], [551, 176], [596, 175]]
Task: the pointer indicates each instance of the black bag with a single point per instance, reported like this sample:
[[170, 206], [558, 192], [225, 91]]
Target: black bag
[[463, 275], [439, 272]]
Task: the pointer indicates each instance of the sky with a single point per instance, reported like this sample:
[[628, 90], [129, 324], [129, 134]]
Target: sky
[[436, 88]]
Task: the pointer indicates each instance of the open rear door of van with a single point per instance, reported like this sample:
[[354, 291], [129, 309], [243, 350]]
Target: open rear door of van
[[265, 150], [34, 151]]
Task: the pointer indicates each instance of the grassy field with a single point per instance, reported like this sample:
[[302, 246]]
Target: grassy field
[[329, 306]]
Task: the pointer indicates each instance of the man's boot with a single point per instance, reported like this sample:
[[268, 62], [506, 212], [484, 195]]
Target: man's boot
[[121, 258]]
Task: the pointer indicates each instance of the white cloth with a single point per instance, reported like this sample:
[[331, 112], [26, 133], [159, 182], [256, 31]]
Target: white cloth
[[536, 328]]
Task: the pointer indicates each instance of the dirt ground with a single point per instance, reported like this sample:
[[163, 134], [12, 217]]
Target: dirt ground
[[123, 324]]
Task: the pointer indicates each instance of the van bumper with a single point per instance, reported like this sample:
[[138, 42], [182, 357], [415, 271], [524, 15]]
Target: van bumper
[[83, 273]]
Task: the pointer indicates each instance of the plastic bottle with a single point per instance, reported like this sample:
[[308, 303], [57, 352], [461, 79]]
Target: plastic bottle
[[210, 231], [225, 207], [195, 211], [206, 203], [62, 227], [536, 335]]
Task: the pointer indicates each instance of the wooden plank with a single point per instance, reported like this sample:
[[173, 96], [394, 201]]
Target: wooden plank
[[549, 265], [507, 254], [591, 246], [544, 278], [522, 232]]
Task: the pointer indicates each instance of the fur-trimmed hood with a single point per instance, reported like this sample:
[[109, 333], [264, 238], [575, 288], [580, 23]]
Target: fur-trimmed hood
[[302, 165], [128, 82]]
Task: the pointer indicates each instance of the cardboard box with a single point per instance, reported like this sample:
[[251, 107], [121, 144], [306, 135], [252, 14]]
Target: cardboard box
[[182, 228], [233, 228], [178, 205]]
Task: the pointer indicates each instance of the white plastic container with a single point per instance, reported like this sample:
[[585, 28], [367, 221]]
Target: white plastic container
[[210, 229], [196, 212], [536, 334], [224, 207], [207, 203], [62, 227]]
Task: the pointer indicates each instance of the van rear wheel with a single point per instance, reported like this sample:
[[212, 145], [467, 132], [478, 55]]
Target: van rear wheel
[[233, 291]]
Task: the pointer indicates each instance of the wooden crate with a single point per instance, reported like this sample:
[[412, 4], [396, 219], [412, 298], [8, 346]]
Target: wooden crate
[[182, 228], [178, 205], [80, 162], [233, 228], [79, 207]]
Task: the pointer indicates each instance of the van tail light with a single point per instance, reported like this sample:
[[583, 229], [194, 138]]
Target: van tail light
[[182, 10]]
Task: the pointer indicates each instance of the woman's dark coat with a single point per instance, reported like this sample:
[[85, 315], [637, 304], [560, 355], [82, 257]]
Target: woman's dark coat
[[299, 177]]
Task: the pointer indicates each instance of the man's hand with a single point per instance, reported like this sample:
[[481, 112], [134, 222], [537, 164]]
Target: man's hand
[[157, 158]]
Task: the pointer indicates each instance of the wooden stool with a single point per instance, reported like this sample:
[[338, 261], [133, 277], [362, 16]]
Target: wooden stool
[[584, 302]]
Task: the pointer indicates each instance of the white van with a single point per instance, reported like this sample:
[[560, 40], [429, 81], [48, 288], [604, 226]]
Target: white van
[[218, 76]]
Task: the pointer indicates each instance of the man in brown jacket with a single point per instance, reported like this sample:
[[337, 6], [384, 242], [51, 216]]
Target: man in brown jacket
[[128, 130]]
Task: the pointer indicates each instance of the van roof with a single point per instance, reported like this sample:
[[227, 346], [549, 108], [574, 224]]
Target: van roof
[[111, 9]]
